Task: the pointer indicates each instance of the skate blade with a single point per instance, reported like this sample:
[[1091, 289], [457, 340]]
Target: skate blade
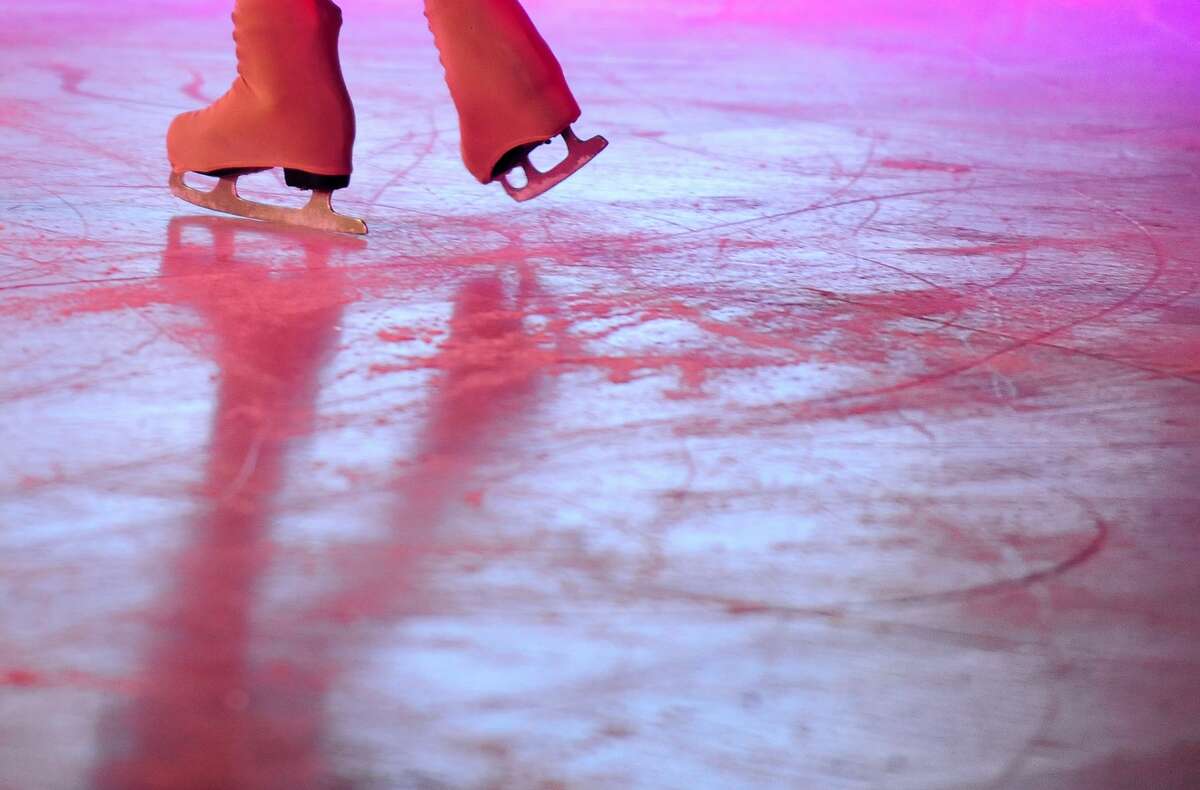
[[579, 153], [317, 214]]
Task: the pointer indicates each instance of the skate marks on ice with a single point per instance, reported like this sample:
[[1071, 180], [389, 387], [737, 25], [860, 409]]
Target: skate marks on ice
[[773, 469]]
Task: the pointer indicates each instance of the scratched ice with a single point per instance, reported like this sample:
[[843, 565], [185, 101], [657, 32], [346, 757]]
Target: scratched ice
[[837, 428]]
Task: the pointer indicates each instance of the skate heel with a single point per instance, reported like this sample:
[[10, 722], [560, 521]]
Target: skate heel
[[315, 182]]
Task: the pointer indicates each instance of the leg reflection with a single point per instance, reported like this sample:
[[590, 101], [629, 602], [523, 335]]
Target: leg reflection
[[489, 373], [206, 716], [216, 706]]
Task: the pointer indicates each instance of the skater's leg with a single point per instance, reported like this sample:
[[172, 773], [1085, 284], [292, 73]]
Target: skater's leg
[[288, 108], [508, 87]]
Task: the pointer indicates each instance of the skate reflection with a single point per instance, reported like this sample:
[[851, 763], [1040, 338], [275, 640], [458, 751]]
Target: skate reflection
[[214, 708]]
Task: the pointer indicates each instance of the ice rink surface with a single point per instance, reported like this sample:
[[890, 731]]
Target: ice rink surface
[[837, 428]]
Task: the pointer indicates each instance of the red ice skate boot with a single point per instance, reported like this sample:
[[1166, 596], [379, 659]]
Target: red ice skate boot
[[288, 108], [510, 93]]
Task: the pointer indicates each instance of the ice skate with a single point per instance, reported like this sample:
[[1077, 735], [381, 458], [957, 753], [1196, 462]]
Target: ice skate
[[318, 213], [510, 93], [537, 182], [288, 108]]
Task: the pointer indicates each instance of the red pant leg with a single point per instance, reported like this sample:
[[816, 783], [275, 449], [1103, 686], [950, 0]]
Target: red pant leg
[[506, 83]]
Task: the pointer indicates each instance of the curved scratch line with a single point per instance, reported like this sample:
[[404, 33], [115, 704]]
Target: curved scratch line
[[1084, 555]]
